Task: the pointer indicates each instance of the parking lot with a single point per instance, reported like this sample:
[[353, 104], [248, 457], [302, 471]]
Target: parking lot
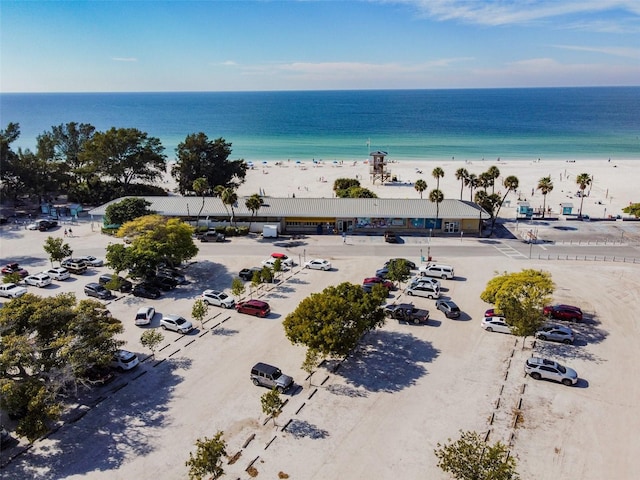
[[377, 414]]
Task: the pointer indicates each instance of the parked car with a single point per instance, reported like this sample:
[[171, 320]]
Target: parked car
[[10, 268], [495, 324], [97, 376], [449, 308], [288, 261], [120, 284], [382, 272], [318, 264], [388, 284], [426, 280], [145, 290], [38, 280], [563, 312], [174, 273], [124, 360], [75, 266], [92, 261], [246, 274], [270, 262], [556, 333], [96, 290], [406, 312], [212, 237], [409, 263], [423, 290], [58, 273], [254, 307], [217, 298], [437, 270], [265, 375], [144, 315], [390, 236], [42, 224], [163, 282], [11, 290], [492, 312], [176, 323], [542, 368]]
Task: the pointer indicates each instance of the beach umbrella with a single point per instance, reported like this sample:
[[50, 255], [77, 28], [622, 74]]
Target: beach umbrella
[[335, 161], [264, 162], [298, 162]]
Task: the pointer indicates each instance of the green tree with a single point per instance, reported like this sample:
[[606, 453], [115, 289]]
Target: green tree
[[494, 173], [207, 461], [272, 404], [237, 287], [399, 270], [545, 185], [436, 196], [267, 274], [151, 339], [199, 310], [345, 184], [472, 182], [521, 297], [11, 170], [256, 280], [333, 321], [253, 204], [462, 174], [126, 210], [355, 192], [583, 180], [199, 157], [420, 186], [311, 362], [437, 173], [485, 180], [49, 344], [511, 184], [632, 209], [230, 197], [66, 141], [57, 249], [12, 278], [125, 155], [201, 187], [471, 458], [155, 240]]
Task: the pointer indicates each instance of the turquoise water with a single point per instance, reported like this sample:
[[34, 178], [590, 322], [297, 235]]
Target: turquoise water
[[511, 124]]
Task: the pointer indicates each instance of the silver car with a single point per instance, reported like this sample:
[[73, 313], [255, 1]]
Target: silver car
[[495, 324], [219, 299], [539, 368], [556, 333], [176, 323]]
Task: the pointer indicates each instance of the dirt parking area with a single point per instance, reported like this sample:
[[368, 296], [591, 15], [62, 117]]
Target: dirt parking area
[[378, 414]]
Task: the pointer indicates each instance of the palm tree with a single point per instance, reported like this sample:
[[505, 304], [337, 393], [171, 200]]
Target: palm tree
[[437, 173], [545, 185], [420, 186], [436, 196], [583, 180], [485, 180], [494, 172], [462, 174], [200, 186], [472, 182], [253, 203], [511, 184], [229, 197], [481, 200]]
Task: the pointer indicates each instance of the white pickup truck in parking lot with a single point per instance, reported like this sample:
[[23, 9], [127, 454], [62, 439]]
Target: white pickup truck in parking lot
[[11, 290]]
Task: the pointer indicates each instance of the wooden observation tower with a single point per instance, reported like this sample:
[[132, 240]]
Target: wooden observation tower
[[378, 167]]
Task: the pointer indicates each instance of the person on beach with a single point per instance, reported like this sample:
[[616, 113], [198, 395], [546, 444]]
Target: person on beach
[[70, 232], [65, 232]]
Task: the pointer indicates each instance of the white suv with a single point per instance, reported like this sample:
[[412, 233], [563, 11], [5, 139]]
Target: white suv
[[423, 290], [219, 299], [436, 270], [539, 368], [144, 316]]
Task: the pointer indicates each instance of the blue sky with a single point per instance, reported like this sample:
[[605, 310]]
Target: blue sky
[[112, 46]]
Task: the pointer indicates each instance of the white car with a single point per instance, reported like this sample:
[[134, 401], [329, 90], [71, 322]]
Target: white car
[[38, 280], [219, 299], [176, 323], [495, 324], [288, 261], [270, 262], [318, 264], [58, 273], [93, 261], [427, 280], [11, 290], [124, 360], [144, 316]]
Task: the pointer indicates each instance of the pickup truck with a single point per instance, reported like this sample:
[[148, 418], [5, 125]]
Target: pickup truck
[[11, 290], [406, 312]]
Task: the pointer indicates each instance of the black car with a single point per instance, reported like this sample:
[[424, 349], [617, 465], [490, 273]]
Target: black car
[[45, 225], [163, 282], [121, 284], [409, 263], [145, 290], [247, 273], [174, 273], [449, 308]]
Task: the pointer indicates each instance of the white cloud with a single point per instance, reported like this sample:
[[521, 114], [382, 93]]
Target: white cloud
[[614, 51]]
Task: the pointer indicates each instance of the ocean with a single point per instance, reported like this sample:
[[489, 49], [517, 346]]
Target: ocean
[[471, 124]]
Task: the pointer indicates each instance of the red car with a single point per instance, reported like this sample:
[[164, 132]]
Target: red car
[[254, 307], [10, 268], [492, 312], [563, 312], [386, 283]]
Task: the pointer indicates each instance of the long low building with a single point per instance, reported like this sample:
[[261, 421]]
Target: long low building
[[326, 215]]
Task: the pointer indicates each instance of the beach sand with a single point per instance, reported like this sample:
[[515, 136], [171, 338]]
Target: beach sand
[[614, 186]]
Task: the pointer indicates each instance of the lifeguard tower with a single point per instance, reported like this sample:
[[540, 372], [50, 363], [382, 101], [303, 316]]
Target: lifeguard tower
[[378, 167]]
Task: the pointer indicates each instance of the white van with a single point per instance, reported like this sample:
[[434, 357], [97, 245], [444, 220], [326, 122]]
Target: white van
[[436, 270], [423, 290]]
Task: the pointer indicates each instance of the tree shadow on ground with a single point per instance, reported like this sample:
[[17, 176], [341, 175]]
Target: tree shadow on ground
[[303, 429], [346, 391], [122, 424], [565, 352], [388, 361], [225, 332]]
